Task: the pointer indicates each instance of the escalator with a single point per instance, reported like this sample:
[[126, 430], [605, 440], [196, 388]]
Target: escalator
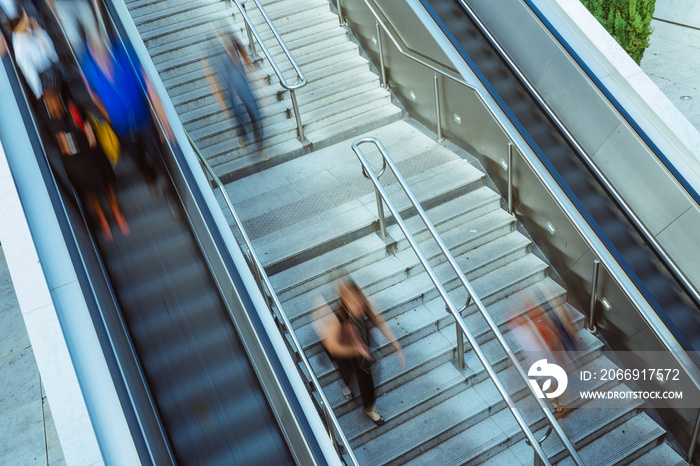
[[209, 395], [211, 403], [671, 301]]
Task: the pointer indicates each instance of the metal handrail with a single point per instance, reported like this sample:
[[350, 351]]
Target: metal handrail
[[301, 80], [679, 355], [459, 321], [587, 159], [260, 274]]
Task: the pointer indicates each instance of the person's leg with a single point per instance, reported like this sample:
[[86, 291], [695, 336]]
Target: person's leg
[[240, 118], [366, 383], [250, 102], [345, 369], [118, 216], [97, 208]]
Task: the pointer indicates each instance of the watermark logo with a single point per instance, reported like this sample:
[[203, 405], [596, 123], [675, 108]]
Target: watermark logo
[[542, 369]]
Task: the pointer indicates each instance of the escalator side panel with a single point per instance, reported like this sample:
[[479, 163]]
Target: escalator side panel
[[606, 215], [241, 300], [593, 76], [90, 405]]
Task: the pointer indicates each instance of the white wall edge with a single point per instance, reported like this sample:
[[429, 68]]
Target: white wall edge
[[665, 125]]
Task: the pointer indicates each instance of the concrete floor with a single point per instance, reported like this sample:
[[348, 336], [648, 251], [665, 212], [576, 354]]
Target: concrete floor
[[27, 432], [672, 61]]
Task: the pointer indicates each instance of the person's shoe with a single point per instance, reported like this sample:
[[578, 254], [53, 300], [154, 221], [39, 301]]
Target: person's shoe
[[375, 417], [264, 157], [347, 393], [242, 142]]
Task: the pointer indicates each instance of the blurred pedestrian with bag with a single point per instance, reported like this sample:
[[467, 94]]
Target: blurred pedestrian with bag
[[85, 163]]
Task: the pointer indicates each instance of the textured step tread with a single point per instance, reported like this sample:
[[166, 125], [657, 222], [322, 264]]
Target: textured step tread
[[307, 275], [634, 437]]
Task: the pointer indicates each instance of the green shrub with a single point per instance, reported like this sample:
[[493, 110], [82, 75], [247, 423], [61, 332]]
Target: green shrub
[[628, 21]]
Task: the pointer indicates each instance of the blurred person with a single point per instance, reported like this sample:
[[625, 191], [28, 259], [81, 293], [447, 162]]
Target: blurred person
[[35, 55], [536, 337], [86, 165], [78, 18], [231, 83], [118, 90], [345, 336]]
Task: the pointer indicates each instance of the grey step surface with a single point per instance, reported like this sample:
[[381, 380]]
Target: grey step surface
[[623, 444], [430, 384], [178, 34], [663, 454], [583, 425]]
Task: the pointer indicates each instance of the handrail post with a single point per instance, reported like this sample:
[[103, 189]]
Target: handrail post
[[694, 441], [460, 337], [251, 42], [341, 20], [460, 347], [381, 55], [300, 127], [380, 213], [510, 178], [594, 296], [437, 107]]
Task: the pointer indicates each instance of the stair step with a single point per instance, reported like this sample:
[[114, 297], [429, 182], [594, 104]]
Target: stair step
[[456, 212], [623, 444], [390, 271], [168, 16], [473, 409], [224, 131], [194, 106], [429, 351], [288, 246], [663, 454], [486, 443]]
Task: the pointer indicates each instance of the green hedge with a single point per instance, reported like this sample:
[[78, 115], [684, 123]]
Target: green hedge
[[628, 21]]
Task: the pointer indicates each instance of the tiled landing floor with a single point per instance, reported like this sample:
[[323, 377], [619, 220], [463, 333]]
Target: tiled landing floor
[[27, 432], [672, 61]]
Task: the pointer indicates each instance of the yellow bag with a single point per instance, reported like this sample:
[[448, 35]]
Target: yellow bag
[[107, 139]]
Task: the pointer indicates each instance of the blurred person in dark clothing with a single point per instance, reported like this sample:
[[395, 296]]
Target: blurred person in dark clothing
[[345, 336], [231, 83], [85, 163]]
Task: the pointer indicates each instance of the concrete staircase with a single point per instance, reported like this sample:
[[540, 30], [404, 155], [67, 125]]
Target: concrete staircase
[[342, 97], [312, 218]]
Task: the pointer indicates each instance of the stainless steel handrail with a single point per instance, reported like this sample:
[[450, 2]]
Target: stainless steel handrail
[[260, 274], [587, 159], [301, 80], [678, 354], [459, 320]]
